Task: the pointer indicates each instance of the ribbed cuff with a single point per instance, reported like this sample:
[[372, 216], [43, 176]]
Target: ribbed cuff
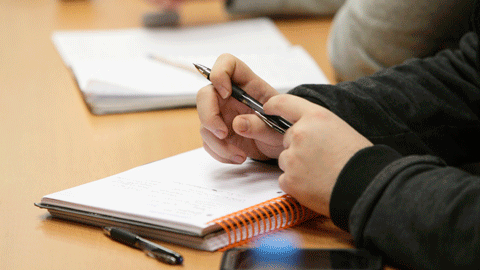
[[355, 177]]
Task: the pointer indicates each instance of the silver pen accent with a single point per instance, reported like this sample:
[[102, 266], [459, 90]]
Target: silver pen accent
[[278, 123]]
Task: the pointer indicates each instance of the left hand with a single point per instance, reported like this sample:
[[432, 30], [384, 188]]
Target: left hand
[[230, 130], [317, 147]]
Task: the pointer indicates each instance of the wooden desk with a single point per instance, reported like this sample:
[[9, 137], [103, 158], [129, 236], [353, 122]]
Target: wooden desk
[[49, 141]]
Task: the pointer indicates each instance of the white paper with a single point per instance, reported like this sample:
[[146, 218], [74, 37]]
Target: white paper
[[234, 37], [116, 73], [184, 192]]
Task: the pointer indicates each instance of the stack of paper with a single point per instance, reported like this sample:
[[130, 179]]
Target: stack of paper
[[209, 206], [116, 72]]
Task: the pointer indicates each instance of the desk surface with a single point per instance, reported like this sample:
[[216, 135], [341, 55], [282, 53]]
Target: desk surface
[[49, 141]]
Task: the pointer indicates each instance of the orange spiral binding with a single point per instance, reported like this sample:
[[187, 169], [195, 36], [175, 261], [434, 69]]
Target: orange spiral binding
[[275, 214]]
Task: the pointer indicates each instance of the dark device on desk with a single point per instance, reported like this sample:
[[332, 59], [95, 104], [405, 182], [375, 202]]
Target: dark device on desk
[[248, 258], [166, 18]]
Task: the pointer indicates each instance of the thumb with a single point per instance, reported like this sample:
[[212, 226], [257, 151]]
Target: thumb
[[288, 106]]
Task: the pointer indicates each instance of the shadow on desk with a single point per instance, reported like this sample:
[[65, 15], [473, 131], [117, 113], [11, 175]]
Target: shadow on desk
[[322, 233], [68, 230]]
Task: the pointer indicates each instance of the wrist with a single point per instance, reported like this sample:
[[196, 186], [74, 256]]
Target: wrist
[[355, 177]]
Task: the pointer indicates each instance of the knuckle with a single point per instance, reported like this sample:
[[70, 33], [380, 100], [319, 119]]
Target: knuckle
[[225, 56], [288, 160], [283, 185], [297, 134], [287, 184], [203, 93], [281, 99], [209, 121], [275, 103], [203, 132], [200, 95], [319, 114]]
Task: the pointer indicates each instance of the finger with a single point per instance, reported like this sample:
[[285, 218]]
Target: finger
[[296, 132], [214, 155], [287, 140], [252, 127], [281, 160], [228, 69], [208, 108], [281, 181], [267, 142], [286, 163], [283, 184], [289, 106], [221, 148]]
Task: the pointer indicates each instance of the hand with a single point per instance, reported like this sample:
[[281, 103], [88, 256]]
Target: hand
[[230, 130], [317, 147]]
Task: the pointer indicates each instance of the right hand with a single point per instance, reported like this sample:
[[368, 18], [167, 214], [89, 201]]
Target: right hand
[[230, 130]]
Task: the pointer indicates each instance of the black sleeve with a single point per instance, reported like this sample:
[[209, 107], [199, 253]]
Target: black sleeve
[[428, 106], [403, 199], [417, 212]]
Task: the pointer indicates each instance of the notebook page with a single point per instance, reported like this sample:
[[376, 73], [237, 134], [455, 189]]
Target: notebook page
[[184, 192], [281, 69], [136, 77], [233, 37]]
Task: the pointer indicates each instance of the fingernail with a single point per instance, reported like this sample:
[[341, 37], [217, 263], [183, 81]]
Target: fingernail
[[220, 133], [244, 125], [238, 159], [223, 92]]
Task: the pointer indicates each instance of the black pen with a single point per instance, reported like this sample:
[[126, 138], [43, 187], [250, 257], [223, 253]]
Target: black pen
[[151, 249], [276, 122]]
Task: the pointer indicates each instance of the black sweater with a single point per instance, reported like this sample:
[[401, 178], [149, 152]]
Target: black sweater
[[406, 197]]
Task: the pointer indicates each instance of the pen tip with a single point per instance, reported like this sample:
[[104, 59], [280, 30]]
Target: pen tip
[[201, 67], [197, 66], [203, 70]]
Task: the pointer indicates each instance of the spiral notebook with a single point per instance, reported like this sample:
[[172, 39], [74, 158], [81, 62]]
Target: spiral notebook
[[188, 199]]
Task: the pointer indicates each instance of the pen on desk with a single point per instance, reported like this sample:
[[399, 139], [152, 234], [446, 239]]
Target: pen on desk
[[151, 249], [170, 62], [278, 123]]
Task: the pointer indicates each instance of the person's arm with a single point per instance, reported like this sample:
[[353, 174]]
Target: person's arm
[[428, 106], [283, 7], [415, 211], [412, 208]]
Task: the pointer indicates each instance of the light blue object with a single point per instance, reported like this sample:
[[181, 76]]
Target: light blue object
[[277, 251]]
